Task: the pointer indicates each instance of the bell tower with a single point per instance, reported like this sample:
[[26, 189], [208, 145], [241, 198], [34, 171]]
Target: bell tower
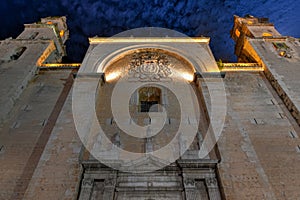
[[258, 41], [39, 43], [250, 27]]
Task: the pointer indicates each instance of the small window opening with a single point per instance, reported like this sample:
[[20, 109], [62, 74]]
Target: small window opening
[[148, 98], [237, 33], [33, 35], [18, 52], [280, 45]]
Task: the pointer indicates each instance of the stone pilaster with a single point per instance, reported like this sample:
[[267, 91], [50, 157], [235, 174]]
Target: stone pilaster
[[213, 189], [109, 188], [86, 189], [190, 189]]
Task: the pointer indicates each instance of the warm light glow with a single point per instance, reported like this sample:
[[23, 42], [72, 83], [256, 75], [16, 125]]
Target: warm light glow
[[282, 53], [248, 69], [240, 64], [229, 67], [112, 76], [97, 40], [49, 22], [61, 33], [237, 33], [60, 65], [187, 76], [51, 47], [265, 34]]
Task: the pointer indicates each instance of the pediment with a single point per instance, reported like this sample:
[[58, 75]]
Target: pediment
[[146, 163]]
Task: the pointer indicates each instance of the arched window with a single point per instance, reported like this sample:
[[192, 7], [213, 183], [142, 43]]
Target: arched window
[[149, 96]]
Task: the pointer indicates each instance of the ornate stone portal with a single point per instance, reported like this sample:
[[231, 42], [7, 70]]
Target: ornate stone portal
[[188, 183]]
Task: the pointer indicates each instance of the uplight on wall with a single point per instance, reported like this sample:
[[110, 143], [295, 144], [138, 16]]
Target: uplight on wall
[[112, 76], [188, 77]]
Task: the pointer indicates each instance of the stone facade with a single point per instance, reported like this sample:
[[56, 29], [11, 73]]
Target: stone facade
[[242, 140], [189, 177]]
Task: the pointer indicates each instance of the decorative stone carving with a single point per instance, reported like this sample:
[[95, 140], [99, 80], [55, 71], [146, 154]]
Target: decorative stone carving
[[109, 187], [149, 66], [211, 182], [109, 182], [86, 188], [213, 190], [189, 183], [190, 188], [87, 182]]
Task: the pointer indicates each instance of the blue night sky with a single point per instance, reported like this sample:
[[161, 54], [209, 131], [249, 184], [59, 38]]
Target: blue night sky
[[87, 18]]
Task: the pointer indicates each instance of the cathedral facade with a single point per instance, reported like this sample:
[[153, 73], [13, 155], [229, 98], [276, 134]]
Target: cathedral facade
[[150, 115]]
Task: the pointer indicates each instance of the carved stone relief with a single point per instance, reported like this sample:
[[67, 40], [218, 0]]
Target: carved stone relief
[[88, 183], [189, 183], [190, 189], [149, 66], [211, 182], [109, 182], [213, 190]]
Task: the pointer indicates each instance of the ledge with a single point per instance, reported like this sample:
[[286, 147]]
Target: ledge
[[98, 40]]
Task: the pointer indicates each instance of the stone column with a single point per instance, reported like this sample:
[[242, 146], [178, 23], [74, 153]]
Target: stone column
[[86, 189], [213, 189], [190, 189], [109, 188]]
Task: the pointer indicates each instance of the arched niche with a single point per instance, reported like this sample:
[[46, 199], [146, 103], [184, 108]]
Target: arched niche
[[148, 65]]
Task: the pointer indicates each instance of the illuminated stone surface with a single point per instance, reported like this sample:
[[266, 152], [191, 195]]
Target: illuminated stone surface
[[257, 156]]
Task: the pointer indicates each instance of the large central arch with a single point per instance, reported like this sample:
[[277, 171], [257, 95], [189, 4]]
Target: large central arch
[[101, 53]]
